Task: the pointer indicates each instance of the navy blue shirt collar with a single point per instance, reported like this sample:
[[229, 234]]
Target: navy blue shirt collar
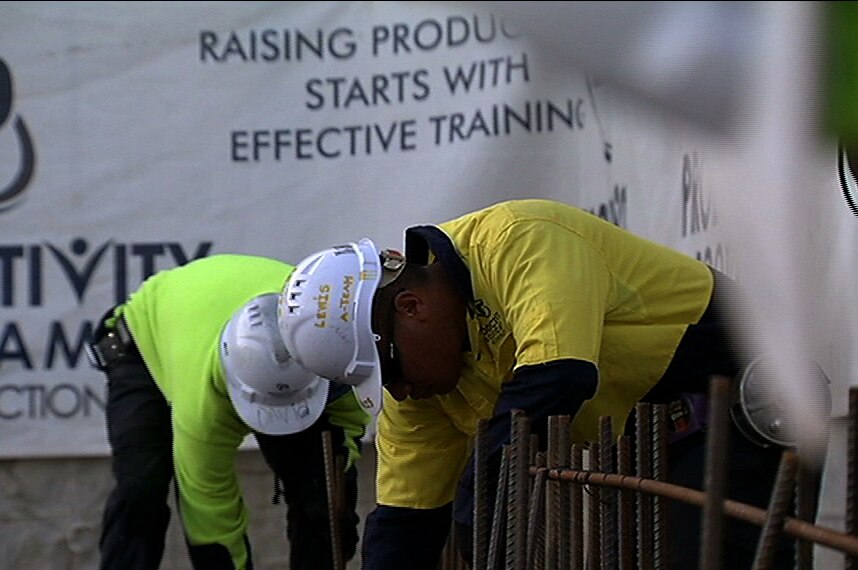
[[420, 240]]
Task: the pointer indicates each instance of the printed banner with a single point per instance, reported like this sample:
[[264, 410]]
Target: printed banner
[[137, 137]]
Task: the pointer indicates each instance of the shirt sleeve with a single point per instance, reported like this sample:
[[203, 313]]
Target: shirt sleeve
[[421, 454], [345, 412], [555, 388], [553, 288], [210, 501]]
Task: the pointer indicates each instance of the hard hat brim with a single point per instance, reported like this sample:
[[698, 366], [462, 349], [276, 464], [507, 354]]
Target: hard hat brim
[[305, 407], [369, 391]]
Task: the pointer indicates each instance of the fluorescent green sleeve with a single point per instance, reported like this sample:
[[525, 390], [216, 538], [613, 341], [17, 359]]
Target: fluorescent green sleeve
[[210, 505], [345, 412]]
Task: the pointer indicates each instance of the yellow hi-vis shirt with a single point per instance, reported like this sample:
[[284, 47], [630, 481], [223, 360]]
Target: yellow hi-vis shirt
[[176, 318], [550, 282]]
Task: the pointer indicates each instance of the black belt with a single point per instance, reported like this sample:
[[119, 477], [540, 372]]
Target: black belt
[[115, 344]]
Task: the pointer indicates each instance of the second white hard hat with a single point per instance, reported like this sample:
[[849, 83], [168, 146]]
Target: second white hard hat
[[269, 390]]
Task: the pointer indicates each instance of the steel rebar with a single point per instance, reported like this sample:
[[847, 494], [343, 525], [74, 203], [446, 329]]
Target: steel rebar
[[481, 497], [779, 504], [715, 482], [643, 460], [625, 510], [576, 511], [332, 483], [608, 514], [498, 528], [660, 523]]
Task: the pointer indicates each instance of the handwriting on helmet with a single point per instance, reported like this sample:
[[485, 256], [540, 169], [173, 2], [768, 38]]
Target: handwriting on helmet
[[322, 305], [346, 297]]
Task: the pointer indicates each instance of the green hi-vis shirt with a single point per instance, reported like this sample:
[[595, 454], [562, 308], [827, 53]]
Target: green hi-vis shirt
[[176, 318], [550, 282]]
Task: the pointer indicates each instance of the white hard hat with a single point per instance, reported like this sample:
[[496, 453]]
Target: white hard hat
[[269, 390], [326, 315], [761, 411]]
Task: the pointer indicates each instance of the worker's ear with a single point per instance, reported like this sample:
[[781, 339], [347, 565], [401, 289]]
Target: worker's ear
[[410, 303]]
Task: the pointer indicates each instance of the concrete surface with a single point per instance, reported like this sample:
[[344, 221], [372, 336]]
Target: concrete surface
[[50, 513]]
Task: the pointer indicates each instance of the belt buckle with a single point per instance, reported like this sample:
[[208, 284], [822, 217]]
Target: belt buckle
[[102, 351], [110, 347], [122, 332], [93, 354]]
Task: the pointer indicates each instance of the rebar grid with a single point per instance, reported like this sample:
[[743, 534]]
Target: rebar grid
[[796, 528], [583, 541]]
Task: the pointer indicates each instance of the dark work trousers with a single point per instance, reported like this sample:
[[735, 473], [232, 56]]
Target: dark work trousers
[[136, 515], [705, 350]]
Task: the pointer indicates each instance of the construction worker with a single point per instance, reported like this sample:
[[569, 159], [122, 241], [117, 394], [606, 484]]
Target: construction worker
[[195, 363], [542, 307]]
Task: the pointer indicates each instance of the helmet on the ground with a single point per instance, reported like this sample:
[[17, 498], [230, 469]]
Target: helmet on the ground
[[270, 391], [326, 315]]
